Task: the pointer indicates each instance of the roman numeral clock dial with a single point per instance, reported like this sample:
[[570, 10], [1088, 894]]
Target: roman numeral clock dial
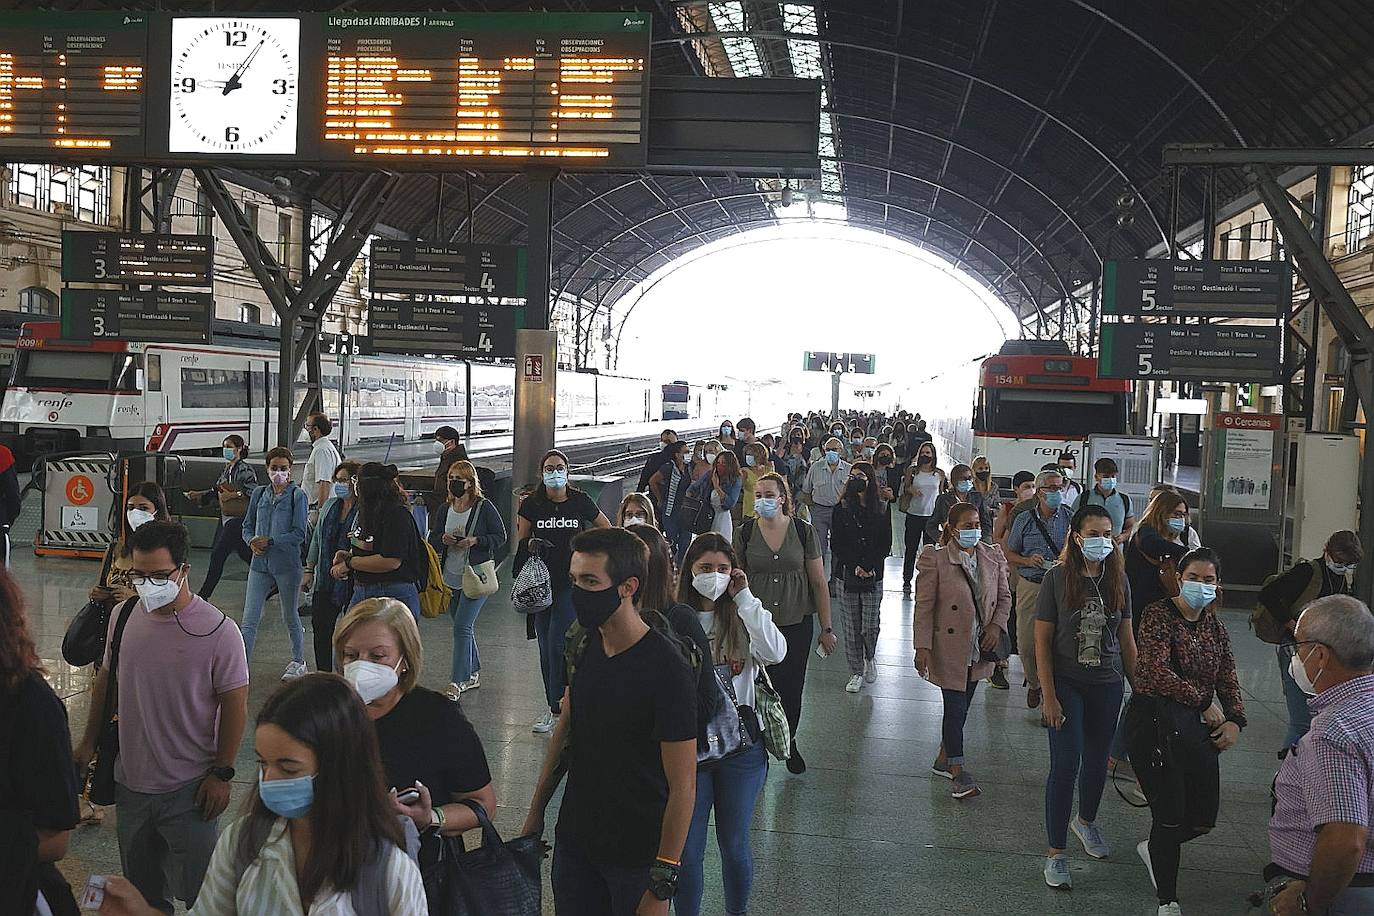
[[234, 86]]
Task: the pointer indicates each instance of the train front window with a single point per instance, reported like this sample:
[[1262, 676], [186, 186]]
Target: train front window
[[76, 369], [1067, 414]]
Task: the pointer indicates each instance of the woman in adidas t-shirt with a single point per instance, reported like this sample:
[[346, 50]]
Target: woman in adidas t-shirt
[[552, 515]]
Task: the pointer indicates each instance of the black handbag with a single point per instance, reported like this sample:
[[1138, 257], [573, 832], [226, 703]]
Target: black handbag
[[727, 732], [697, 513], [495, 879], [84, 642], [101, 788]]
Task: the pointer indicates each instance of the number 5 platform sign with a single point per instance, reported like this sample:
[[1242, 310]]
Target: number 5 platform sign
[[1206, 353]]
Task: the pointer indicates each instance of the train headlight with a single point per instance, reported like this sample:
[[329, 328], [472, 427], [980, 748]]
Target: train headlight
[[98, 432]]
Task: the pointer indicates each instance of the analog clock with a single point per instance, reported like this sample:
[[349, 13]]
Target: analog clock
[[235, 85]]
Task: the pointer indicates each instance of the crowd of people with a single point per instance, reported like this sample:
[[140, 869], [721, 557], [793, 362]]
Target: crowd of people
[[673, 647]]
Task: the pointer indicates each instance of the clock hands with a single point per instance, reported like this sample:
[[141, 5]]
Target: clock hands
[[233, 82]]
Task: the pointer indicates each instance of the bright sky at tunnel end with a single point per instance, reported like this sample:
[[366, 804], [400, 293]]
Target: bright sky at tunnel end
[[747, 307]]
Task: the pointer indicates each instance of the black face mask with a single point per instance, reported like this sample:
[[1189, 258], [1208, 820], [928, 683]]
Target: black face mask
[[855, 487], [457, 488], [983, 475], [594, 608], [884, 461], [926, 459]]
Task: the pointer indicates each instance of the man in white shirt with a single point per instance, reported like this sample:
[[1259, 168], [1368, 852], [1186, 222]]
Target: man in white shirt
[[822, 490], [317, 479]]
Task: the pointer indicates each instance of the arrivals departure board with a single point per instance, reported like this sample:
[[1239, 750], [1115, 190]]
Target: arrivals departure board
[[394, 90], [72, 83], [549, 87], [154, 258]]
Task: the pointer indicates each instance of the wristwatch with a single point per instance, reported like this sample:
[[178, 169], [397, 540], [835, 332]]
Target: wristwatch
[[663, 880], [827, 630], [223, 774], [437, 818]]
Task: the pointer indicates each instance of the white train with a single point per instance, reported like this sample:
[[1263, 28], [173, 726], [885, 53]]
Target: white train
[[122, 397]]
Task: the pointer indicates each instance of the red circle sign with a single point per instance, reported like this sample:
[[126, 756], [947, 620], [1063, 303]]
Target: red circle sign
[[80, 490]]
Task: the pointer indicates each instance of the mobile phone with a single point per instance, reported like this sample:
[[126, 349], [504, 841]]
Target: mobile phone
[[820, 651], [94, 894], [408, 797]]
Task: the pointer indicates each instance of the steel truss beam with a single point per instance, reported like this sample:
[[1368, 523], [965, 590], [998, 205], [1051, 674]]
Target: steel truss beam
[[301, 311], [1189, 154]]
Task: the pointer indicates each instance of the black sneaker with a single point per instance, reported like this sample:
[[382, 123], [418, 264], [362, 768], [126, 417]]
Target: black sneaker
[[999, 679], [795, 764]]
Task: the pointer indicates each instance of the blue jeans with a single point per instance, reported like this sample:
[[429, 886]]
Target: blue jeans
[[288, 593], [464, 611], [732, 787], [678, 537], [1299, 713], [952, 726], [582, 888], [408, 593], [1078, 750], [551, 629]]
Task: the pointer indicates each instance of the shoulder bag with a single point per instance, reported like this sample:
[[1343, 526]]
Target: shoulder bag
[[479, 581], [498, 878], [84, 642], [697, 512], [532, 589], [232, 504], [101, 790], [727, 733], [1166, 569], [777, 733]]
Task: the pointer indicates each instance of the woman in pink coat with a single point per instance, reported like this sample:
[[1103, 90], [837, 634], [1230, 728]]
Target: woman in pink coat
[[962, 606]]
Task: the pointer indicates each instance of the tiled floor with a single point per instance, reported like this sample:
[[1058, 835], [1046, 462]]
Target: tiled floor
[[867, 830]]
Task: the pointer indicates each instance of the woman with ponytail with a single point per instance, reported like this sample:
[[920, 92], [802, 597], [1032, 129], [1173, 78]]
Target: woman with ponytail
[[383, 559]]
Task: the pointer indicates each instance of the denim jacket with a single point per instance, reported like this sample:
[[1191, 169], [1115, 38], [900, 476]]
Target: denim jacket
[[239, 474], [330, 529], [283, 519], [488, 528], [703, 488]]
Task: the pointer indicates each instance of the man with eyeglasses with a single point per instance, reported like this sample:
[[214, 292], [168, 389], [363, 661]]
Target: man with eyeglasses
[[1320, 843], [1032, 547], [182, 701]]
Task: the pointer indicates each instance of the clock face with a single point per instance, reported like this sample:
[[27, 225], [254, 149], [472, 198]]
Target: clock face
[[234, 86]]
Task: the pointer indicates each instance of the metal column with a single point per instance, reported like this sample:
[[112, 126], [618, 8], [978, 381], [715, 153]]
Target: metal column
[[536, 346]]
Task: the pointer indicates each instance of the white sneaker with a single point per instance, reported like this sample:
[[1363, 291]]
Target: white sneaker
[[855, 683], [870, 671], [1170, 909], [545, 724], [453, 691], [1142, 849], [294, 670], [470, 684]]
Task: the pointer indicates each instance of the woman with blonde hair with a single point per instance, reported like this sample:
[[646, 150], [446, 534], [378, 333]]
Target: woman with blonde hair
[[636, 509], [465, 534], [426, 742]]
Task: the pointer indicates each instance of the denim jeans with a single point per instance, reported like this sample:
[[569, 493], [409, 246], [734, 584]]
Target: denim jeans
[[551, 629], [228, 539], [952, 726], [464, 612], [1078, 750], [582, 888], [1299, 713], [677, 535], [732, 787], [408, 593], [288, 593]]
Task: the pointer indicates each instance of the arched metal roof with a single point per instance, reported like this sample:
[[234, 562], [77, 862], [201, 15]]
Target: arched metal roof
[[1010, 136]]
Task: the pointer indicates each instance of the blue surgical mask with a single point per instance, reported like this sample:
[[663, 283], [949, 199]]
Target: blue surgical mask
[[1098, 548], [1198, 594], [1176, 525], [969, 537], [287, 797], [964, 486], [855, 440], [868, 451], [1054, 499], [749, 461], [556, 480], [832, 457], [341, 490], [766, 506], [1109, 483], [230, 454]]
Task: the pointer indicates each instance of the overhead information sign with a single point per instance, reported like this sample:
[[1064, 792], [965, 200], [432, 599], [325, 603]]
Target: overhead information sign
[[1218, 289], [152, 316], [1213, 353], [414, 268], [819, 361], [333, 89], [151, 258], [439, 328], [72, 83]]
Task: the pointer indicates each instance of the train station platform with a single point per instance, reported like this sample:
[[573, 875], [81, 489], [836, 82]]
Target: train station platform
[[867, 829]]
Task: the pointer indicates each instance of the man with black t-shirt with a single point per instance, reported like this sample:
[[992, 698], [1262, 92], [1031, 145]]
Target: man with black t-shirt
[[629, 728]]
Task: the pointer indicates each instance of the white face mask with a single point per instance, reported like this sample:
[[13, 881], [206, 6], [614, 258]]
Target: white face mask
[[1299, 672], [371, 680], [158, 596], [440, 446], [711, 585], [634, 520], [138, 518]]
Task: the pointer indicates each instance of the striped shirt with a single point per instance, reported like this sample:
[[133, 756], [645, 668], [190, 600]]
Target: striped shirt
[[268, 886], [1328, 779], [826, 486]]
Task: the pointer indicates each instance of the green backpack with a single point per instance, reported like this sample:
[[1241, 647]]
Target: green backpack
[[1270, 624]]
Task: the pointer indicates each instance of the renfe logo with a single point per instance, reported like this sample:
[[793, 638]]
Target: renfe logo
[[55, 404]]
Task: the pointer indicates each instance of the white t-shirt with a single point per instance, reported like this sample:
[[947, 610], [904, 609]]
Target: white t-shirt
[[324, 458], [923, 502], [456, 561]]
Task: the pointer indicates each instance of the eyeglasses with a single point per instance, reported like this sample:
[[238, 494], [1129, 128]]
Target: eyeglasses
[[155, 579], [1053, 489]]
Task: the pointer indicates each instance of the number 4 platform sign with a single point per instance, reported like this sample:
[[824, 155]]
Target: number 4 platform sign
[[440, 329]]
